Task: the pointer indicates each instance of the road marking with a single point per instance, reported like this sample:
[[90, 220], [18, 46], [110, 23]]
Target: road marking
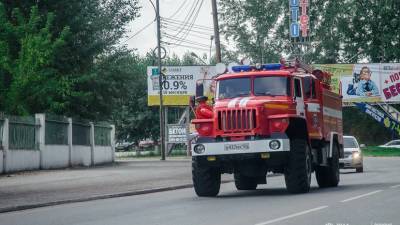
[[395, 186], [361, 196], [292, 215]]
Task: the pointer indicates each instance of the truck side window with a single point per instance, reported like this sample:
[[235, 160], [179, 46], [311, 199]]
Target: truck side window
[[307, 87], [297, 88], [313, 91]]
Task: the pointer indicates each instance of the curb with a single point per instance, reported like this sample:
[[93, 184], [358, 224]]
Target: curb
[[99, 197]]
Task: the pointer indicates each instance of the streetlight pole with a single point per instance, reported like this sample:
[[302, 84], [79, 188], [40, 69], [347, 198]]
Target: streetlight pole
[[216, 31], [160, 82]]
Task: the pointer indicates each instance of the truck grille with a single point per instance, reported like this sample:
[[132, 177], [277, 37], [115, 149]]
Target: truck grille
[[237, 120]]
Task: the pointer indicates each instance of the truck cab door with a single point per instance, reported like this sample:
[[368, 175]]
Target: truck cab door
[[299, 98]]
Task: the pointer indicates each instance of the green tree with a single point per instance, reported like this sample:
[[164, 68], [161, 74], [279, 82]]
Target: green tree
[[63, 43], [30, 81], [251, 25]]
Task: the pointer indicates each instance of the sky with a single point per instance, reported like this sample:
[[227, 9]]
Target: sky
[[197, 41]]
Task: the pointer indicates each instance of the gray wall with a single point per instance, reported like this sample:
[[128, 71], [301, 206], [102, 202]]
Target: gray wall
[[54, 156], [81, 155], [103, 154], [19, 160]]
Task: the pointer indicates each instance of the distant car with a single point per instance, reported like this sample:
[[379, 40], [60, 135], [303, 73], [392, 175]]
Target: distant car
[[146, 143], [124, 146], [352, 155], [391, 144]]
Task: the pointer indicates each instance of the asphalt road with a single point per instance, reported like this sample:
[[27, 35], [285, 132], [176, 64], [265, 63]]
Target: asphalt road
[[372, 197]]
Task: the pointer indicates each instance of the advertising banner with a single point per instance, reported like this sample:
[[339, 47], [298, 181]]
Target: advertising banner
[[179, 83], [380, 117], [377, 82]]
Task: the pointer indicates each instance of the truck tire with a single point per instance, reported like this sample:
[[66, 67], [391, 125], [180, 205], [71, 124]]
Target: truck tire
[[206, 180], [329, 176], [299, 169], [360, 169], [245, 183]]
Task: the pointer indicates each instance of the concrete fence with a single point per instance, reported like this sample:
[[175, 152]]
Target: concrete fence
[[33, 143]]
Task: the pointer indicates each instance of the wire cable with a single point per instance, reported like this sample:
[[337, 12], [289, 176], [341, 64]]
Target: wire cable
[[139, 31], [179, 9], [187, 46], [184, 36], [178, 22]]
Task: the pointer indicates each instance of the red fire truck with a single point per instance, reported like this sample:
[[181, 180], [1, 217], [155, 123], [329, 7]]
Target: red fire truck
[[280, 118]]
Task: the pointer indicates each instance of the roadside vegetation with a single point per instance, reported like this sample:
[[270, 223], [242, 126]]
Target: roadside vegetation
[[69, 57], [375, 151]]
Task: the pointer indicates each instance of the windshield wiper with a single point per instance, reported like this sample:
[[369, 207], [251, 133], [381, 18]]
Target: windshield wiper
[[265, 94]]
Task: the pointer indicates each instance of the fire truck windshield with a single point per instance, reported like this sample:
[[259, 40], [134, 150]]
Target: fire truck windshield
[[272, 86], [232, 88]]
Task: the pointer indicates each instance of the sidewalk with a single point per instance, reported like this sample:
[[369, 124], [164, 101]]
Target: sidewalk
[[43, 188]]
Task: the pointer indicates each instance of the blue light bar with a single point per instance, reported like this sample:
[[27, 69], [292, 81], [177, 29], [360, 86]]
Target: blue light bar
[[247, 68], [242, 68], [274, 66]]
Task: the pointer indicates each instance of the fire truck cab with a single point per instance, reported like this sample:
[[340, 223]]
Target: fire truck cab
[[280, 118]]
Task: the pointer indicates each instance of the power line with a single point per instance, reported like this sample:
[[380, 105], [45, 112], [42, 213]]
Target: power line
[[179, 22], [187, 46], [172, 28], [179, 9], [186, 41], [138, 32], [188, 18], [184, 36]]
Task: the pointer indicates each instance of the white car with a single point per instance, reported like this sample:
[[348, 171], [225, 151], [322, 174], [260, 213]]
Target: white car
[[391, 144], [352, 155]]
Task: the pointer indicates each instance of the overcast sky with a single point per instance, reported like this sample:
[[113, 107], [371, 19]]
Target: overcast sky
[[146, 40]]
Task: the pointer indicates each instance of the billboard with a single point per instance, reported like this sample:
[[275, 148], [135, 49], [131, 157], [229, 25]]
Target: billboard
[[179, 83], [376, 82], [379, 82]]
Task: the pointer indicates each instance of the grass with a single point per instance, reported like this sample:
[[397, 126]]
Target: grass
[[379, 151]]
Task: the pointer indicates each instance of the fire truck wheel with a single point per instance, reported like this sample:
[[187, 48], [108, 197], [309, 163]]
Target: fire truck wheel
[[298, 171], [206, 180], [245, 183], [329, 176]]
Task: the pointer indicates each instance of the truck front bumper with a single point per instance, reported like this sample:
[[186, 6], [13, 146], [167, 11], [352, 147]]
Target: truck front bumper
[[210, 147]]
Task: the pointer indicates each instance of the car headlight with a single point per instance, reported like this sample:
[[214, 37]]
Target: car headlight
[[274, 144], [199, 148], [356, 155]]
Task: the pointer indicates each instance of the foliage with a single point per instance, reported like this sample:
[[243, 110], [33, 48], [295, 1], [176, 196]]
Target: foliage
[[379, 151], [363, 127], [341, 31], [251, 24], [54, 55]]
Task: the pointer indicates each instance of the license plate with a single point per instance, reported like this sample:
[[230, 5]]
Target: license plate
[[237, 147]]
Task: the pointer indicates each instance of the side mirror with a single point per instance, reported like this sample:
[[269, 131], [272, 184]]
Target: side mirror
[[199, 89], [362, 145]]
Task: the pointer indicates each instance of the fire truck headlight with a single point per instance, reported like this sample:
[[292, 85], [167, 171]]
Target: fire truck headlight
[[199, 149], [274, 144]]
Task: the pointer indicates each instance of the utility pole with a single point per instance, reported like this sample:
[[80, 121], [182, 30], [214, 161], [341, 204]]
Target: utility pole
[[160, 82], [216, 31]]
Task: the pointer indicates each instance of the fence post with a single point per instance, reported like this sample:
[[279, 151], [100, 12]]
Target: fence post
[[112, 140], [41, 136], [70, 142], [5, 141], [92, 143]]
